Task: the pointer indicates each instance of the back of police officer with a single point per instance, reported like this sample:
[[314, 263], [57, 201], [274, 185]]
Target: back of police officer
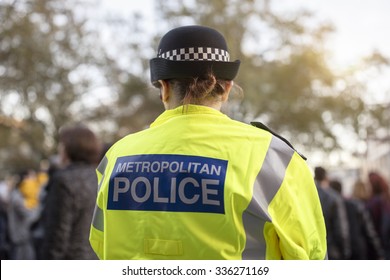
[[197, 184]]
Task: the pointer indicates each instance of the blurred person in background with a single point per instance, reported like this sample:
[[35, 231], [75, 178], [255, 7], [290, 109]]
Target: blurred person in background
[[361, 191], [53, 164], [335, 215], [31, 186], [365, 243], [71, 196], [20, 218], [4, 240], [5, 188], [379, 207]]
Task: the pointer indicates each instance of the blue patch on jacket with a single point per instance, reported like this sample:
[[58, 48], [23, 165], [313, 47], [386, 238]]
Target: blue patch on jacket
[[160, 182]]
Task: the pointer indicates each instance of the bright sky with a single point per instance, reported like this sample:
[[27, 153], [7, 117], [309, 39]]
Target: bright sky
[[361, 25]]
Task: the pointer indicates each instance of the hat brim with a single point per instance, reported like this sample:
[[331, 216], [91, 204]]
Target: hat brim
[[164, 69]]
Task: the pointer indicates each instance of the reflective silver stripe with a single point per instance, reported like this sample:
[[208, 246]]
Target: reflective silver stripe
[[102, 165], [101, 168], [98, 219], [266, 186]]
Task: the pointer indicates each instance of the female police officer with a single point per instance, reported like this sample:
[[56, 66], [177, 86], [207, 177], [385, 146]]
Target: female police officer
[[197, 184]]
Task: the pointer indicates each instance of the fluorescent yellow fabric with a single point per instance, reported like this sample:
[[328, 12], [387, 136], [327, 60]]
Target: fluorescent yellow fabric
[[199, 218], [297, 224]]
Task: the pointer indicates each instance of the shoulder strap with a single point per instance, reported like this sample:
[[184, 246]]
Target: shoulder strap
[[264, 127]]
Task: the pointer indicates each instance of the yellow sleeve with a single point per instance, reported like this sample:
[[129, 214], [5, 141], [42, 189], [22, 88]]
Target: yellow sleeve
[[297, 230]]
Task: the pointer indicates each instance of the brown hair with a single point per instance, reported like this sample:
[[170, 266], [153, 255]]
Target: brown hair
[[198, 89], [320, 173], [81, 144], [379, 185], [360, 190]]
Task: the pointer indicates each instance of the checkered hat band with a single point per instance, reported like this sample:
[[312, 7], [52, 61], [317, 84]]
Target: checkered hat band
[[197, 53]]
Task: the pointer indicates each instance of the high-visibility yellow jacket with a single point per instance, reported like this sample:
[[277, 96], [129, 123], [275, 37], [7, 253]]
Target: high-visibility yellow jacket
[[199, 185]]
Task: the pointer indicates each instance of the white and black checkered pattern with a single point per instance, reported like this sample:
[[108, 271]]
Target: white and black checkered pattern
[[197, 53]]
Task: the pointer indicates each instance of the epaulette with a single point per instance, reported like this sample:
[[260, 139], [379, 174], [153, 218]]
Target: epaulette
[[263, 126]]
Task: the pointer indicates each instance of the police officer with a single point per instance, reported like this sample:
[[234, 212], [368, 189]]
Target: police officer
[[197, 184]]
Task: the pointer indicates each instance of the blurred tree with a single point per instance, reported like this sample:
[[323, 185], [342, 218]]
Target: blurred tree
[[59, 64], [49, 62], [284, 72], [374, 122], [136, 103]]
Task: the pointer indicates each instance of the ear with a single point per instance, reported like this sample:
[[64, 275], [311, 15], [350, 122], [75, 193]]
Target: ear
[[228, 87], [164, 90]]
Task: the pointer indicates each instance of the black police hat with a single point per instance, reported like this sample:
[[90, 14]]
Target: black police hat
[[192, 51]]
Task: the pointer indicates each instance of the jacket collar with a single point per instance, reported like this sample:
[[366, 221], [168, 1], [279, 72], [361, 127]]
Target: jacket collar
[[186, 110]]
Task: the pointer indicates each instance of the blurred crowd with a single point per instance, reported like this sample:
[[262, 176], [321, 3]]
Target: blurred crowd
[[20, 209], [46, 213], [358, 226]]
